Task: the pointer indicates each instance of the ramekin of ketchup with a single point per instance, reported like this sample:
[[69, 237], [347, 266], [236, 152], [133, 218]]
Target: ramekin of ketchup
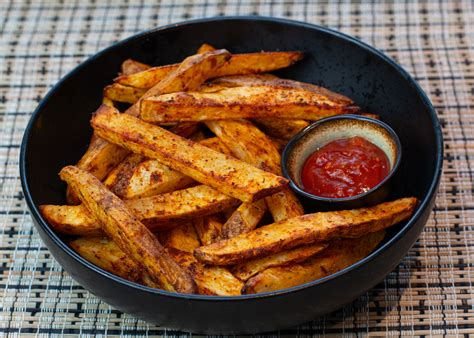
[[344, 167], [346, 160]]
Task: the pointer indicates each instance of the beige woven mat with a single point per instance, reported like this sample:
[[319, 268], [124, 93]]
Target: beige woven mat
[[430, 292]]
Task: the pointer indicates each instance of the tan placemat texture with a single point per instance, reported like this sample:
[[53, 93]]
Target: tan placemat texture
[[429, 293]]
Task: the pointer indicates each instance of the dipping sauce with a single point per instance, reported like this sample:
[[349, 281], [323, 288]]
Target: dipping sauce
[[344, 168]]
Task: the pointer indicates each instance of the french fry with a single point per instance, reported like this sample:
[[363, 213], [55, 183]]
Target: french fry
[[239, 64], [182, 237], [101, 156], [127, 232], [339, 255], [205, 48], [244, 219], [210, 280], [306, 229], [104, 253], [283, 129], [159, 212], [138, 177], [248, 269], [226, 174], [130, 66], [108, 102], [240, 102], [277, 83], [121, 93], [71, 220], [249, 144], [209, 228]]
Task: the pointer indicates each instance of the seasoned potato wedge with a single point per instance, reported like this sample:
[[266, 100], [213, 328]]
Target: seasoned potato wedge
[[239, 64], [121, 93], [205, 48], [210, 280], [240, 102], [71, 220], [209, 228], [131, 66], [244, 219], [248, 269], [158, 212], [228, 175], [182, 237], [339, 255], [306, 229], [283, 129], [104, 253], [131, 236], [277, 83]]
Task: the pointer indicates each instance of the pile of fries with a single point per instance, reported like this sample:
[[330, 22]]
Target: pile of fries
[[183, 190]]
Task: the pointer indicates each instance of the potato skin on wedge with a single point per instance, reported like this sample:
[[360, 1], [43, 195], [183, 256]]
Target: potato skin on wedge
[[339, 255], [127, 232], [228, 175], [241, 102], [239, 64], [306, 229]]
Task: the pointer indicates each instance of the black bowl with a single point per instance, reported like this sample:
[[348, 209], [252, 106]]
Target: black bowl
[[329, 129], [57, 132]]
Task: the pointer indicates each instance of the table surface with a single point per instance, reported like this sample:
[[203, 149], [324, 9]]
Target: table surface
[[429, 293]]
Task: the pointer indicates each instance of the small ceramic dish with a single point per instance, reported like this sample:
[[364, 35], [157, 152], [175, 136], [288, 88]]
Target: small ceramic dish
[[316, 135]]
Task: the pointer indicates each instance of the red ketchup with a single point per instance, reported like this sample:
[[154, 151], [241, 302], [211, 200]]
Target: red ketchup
[[344, 168]]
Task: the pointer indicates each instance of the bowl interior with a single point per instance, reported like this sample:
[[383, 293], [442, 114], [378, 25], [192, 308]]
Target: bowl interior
[[59, 131]]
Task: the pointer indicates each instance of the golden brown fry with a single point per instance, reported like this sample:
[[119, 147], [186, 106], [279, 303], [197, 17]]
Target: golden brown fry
[[239, 64], [130, 66], [210, 280], [158, 212], [209, 228], [107, 102], [205, 48], [226, 174], [182, 237], [339, 255], [104, 253], [248, 269], [127, 232], [283, 129], [284, 205], [240, 102], [277, 83], [99, 159], [244, 219], [118, 178], [121, 93], [71, 220], [306, 229]]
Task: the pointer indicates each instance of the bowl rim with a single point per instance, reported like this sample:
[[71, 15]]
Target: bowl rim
[[247, 18], [295, 139]]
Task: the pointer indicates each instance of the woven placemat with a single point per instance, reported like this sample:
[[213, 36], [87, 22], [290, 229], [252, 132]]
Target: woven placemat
[[429, 293]]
